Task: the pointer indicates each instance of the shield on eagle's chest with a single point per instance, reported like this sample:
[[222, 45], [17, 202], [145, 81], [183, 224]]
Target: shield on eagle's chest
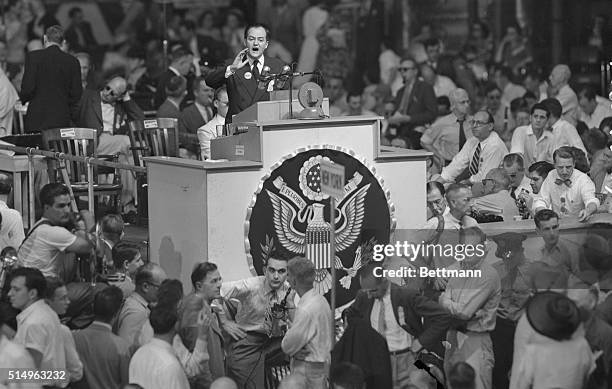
[[290, 216]]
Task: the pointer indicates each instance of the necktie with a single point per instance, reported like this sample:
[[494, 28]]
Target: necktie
[[461, 134], [255, 70], [475, 164], [560, 182], [513, 193], [405, 102], [382, 325]]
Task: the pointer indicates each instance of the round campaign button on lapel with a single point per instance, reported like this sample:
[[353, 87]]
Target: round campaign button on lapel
[[248, 75]]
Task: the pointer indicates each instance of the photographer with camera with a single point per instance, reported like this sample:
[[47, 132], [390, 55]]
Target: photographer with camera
[[56, 235], [266, 305], [54, 242]]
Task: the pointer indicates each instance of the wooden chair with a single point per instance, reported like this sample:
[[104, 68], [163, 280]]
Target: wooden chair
[[18, 123], [83, 142], [154, 138], [151, 138]]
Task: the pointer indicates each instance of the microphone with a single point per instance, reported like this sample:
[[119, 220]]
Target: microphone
[[283, 76], [263, 78]]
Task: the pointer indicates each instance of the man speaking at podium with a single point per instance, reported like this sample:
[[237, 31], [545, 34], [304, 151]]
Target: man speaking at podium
[[243, 78]]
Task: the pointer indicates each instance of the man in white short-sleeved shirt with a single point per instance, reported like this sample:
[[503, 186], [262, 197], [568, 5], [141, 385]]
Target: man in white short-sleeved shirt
[[38, 326], [45, 245]]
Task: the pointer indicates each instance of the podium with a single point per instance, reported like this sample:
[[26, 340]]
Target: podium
[[214, 211], [275, 109]]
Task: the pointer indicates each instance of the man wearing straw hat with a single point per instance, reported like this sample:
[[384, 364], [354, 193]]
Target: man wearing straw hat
[[550, 349]]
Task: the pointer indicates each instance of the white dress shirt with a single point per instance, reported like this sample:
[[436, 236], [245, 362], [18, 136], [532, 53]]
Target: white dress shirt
[[569, 102], [309, 337], [15, 356], [567, 135], [564, 200], [208, 132], [155, 366], [39, 328], [11, 228], [493, 150], [463, 297], [541, 362], [192, 362], [108, 117], [602, 111], [74, 366], [443, 135], [397, 338], [525, 142]]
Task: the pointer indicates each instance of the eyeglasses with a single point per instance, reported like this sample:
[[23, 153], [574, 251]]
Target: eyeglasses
[[484, 180], [223, 102], [154, 284], [477, 124], [110, 91], [405, 69]]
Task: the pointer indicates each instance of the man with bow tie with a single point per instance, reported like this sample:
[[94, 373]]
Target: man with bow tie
[[566, 190], [399, 314]]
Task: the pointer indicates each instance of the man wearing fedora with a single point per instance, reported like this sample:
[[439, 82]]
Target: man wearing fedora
[[550, 350], [472, 303]]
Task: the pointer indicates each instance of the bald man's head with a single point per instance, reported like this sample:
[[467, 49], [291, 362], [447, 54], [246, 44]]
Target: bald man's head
[[499, 180], [460, 102], [560, 75], [148, 279], [114, 90]]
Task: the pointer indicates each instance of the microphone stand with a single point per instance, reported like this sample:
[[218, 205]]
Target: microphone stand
[[288, 76]]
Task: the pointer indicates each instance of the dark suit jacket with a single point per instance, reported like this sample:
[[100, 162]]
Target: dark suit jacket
[[422, 105], [162, 81], [52, 85], [73, 39], [416, 309], [362, 345], [90, 112], [189, 121], [242, 93], [168, 110]]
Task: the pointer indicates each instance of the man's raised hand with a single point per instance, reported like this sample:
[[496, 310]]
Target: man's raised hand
[[238, 62]]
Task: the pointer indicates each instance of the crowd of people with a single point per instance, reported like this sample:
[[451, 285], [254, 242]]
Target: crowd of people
[[507, 144]]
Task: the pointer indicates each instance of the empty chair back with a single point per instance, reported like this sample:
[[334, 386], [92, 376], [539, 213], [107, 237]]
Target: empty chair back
[[81, 142], [154, 138]]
